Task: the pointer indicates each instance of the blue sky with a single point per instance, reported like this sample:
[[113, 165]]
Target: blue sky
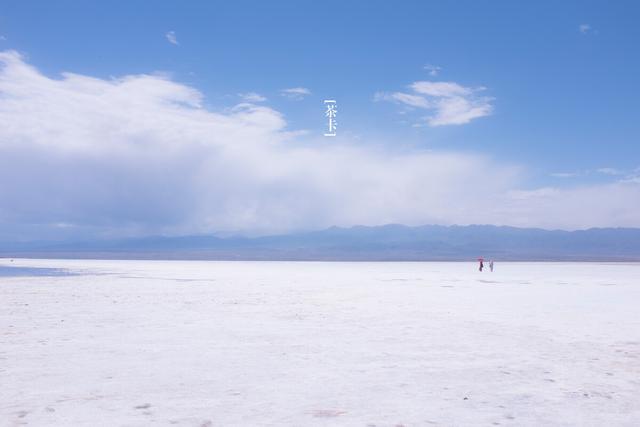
[[555, 83]]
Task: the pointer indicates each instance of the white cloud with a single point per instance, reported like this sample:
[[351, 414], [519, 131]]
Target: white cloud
[[459, 110], [631, 180], [565, 174], [585, 28], [252, 97], [171, 37], [610, 171], [83, 156], [404, 98], [432, 69], [441, 89], [2, 38], [296, 93], [450, 103]]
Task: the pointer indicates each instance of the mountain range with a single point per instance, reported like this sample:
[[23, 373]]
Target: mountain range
[[361, 243]]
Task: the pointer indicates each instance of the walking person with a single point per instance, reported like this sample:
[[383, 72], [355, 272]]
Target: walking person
[[491, 265], [481, 261]]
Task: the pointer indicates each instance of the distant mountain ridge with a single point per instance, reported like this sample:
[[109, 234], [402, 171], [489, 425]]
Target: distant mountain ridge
[[362, 243]]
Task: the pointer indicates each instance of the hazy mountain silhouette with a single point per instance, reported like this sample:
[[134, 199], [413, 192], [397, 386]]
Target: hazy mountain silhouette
[[383, 243]]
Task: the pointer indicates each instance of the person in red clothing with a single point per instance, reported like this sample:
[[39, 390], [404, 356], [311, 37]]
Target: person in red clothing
[[481, 261]]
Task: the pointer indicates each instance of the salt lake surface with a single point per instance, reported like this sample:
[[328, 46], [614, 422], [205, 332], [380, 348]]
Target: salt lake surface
[[192, 343]]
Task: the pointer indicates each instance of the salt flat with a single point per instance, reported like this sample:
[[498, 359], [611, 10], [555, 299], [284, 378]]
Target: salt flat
[[137, 343]]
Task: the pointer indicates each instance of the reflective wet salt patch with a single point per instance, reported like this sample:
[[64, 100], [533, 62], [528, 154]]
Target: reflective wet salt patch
[[17, 271]]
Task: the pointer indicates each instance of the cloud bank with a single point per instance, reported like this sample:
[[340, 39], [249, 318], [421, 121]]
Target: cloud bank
[[82, 156]]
